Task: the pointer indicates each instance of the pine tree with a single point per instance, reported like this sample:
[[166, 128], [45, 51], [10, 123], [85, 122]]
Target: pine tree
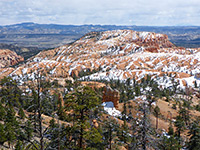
[[169, 141], [60, 136], [157, 113], [194, 133], [110, 128], [82, 101], [93, 139], [10, 133], [10, 93], [40, 103], [21, 113], [2, 111], [11, 118], [137, 90], [28, 130], [133, 141], [184, 114], [123, 133], [19, 145], [180, 126], [2, 134], [195, 84], [144, 130], [123, 130]]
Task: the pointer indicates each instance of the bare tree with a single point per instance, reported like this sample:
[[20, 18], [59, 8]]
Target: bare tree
[[144, 131]]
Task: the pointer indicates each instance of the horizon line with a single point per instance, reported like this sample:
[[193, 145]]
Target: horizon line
[[99, 25]]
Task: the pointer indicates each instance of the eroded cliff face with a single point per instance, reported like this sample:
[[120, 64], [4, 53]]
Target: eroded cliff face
[[9, 58], [118, 54]]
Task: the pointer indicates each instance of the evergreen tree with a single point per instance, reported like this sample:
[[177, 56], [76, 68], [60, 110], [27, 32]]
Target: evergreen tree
[[59, 136], [40, 103], [184, 114], [82, 102], [194, 133], [2, 134], [169, 141], [2, 111], [170, 130], [180, 126], [94, 139], [144, 130], [21, 113], [110, 128], [28, 130], [133, 141], [195, 84], [10, 133], [10, 93], [137, 91], [123, 133], [19, 145], [157, 113]]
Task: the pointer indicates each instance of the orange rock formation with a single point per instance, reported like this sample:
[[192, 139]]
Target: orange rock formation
[[9, 58], [110, 95]]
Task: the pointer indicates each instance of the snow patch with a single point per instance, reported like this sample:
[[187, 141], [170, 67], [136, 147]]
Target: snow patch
[[111, 110]]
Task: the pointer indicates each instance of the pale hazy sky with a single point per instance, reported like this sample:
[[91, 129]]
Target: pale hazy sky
[[118, 12]]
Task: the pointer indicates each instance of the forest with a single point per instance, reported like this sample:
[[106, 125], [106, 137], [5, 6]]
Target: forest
[[41, 114]]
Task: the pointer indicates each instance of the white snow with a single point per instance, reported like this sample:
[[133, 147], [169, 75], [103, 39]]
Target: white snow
[[111, 110], [24, 71], [166, 135], [135, 36], [144, 35]]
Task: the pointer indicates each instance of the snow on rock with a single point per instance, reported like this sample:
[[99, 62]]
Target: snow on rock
[[166, 134], [117, 54], [111, 110]]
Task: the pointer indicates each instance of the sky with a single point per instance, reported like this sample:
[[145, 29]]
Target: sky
[[103, 12]]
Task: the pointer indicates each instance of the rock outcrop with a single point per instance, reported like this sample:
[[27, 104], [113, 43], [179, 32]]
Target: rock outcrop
[[9, 58], [110, 95], [197, 75]]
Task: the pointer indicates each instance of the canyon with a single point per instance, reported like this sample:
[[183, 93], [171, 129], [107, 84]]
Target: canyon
[[116, 55]]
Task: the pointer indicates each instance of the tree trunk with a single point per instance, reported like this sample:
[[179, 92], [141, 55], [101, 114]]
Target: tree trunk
[[144, 132], [81, 132], [110, 140], [156, 121], [40, 119]]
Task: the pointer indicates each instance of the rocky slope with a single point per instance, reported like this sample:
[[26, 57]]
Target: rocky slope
[[9, 58], [118, 54], [25, 52]]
